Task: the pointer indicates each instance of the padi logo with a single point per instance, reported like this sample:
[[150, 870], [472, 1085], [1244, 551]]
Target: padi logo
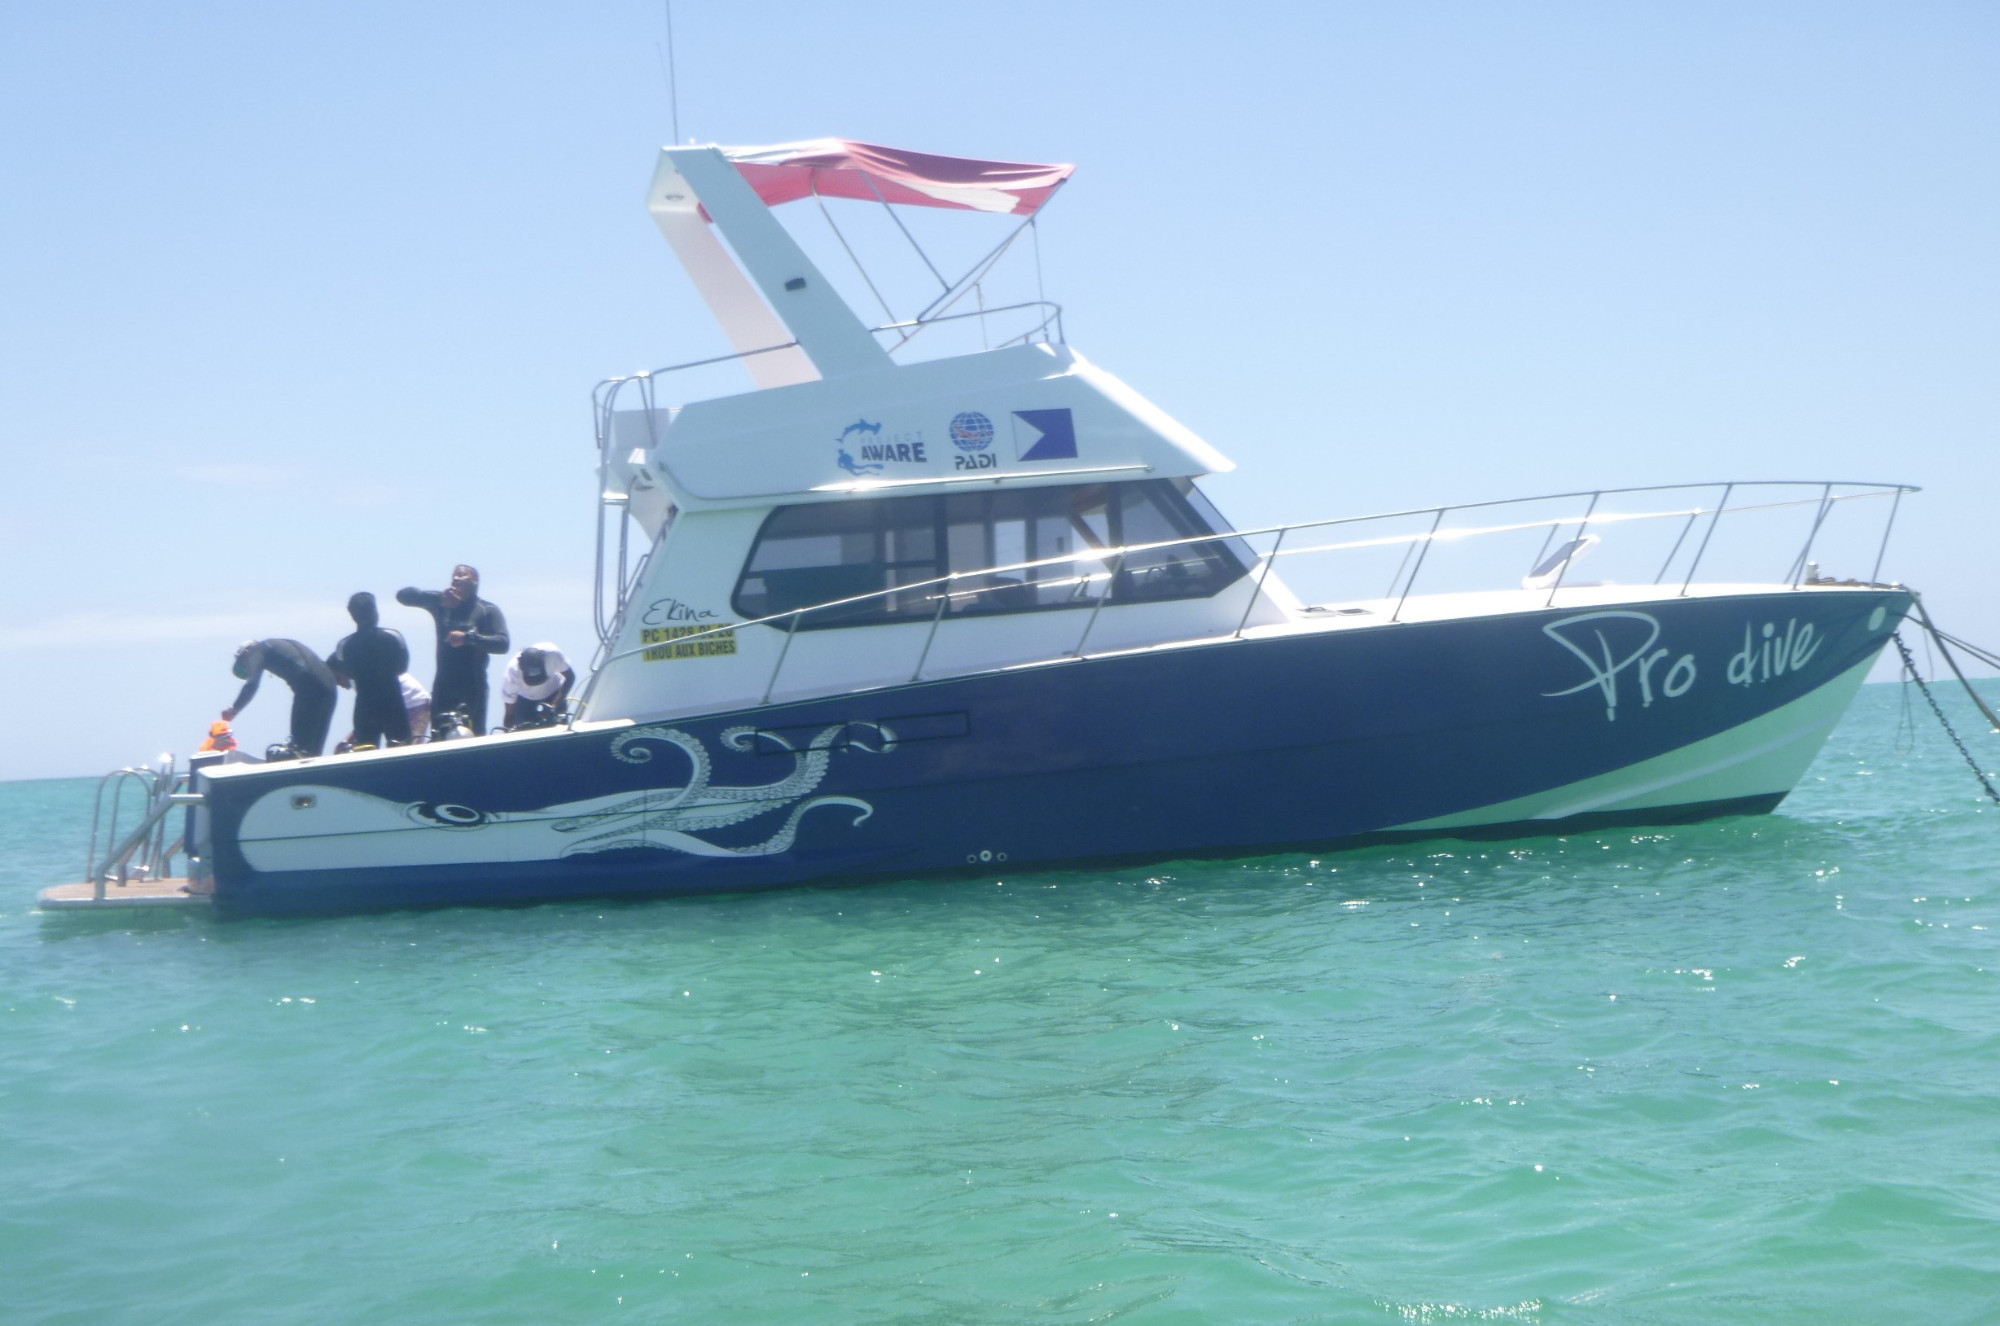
[[971, 431], [876, 451], [972, 434]]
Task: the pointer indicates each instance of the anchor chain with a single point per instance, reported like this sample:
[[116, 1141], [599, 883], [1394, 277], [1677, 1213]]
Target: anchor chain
[[1910, 668]]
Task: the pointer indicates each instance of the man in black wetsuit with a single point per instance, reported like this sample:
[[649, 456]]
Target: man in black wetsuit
[[372, 659], [469, 631], [299, 668]]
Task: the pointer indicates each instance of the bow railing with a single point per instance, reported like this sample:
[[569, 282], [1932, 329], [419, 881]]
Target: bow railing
[[1610, 527]]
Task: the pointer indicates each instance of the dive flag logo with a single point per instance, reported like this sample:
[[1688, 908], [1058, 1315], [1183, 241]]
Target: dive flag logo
[[1058, 434]]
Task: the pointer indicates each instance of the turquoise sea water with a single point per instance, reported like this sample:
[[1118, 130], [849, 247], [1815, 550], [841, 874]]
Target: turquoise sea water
[[1743, 1071]]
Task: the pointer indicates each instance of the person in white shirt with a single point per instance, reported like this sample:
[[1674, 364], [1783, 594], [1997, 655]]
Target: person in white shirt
[[417, 704], [537, 682]]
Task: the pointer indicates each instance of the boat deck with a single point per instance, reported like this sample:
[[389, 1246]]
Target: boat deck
[[134, 893]]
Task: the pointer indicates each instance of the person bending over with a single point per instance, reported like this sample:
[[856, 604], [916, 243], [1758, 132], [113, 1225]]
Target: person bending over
[[373, 659], [299, 668], [536, 684], [469, 632]]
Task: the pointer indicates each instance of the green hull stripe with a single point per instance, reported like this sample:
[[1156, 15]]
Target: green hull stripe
[[1767, 755]]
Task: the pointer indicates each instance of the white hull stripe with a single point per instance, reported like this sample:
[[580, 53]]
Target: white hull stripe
[[1763, 757]]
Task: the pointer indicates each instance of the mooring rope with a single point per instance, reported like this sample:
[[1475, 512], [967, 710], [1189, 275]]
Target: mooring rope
[[1910, 668], [1966, 646], [1932, 632], [1906, 719]]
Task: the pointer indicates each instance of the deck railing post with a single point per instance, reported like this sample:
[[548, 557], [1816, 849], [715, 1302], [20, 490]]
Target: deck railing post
[[1547, 539], [1563, 570], [1706, 535], [1674, 551], [1110, 585], [1390, 588], [944, 597], [1417, 570], [783, 650], [1264, 574], [1875, 576], [1819, 518], [96, 816]]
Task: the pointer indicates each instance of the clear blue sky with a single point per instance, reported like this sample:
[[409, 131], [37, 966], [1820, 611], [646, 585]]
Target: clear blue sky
[[301, 299]]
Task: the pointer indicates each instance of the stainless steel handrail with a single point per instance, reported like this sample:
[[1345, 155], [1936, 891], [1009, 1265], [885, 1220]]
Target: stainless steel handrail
[[1419, 542], [915, 325], [1053, 319], [142, 852]]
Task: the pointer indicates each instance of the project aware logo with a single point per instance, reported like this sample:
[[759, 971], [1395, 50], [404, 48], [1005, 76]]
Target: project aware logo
[[847, 461]]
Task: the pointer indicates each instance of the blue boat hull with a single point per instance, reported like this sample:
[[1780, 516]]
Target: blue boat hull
[[1522, 723]]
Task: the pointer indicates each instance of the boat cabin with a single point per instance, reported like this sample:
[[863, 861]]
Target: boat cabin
[[859, 521]]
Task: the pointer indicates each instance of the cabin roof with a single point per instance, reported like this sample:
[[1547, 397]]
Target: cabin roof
[[1033, 414]]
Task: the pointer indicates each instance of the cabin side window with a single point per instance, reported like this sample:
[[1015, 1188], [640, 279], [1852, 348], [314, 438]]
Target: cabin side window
[[1039, 549]]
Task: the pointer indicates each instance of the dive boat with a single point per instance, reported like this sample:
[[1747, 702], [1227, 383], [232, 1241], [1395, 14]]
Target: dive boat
[[905, 617]]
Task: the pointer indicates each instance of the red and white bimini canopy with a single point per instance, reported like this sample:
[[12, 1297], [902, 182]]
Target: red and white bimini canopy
[[837, 168]]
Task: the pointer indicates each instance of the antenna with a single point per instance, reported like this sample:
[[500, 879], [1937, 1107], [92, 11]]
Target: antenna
[[667, 69]]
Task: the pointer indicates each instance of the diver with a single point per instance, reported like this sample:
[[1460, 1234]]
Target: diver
[[372, 660], [469, 631], [537, 683], [299, 668]]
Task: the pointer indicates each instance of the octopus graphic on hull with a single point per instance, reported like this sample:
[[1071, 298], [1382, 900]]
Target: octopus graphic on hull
[[332, 828], [671, 819]]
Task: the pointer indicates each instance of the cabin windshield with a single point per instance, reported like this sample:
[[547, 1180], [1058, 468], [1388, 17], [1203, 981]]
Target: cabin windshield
[[809, 555]]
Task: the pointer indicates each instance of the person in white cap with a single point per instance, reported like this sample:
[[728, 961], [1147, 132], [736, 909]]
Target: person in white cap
[[537, 682]]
